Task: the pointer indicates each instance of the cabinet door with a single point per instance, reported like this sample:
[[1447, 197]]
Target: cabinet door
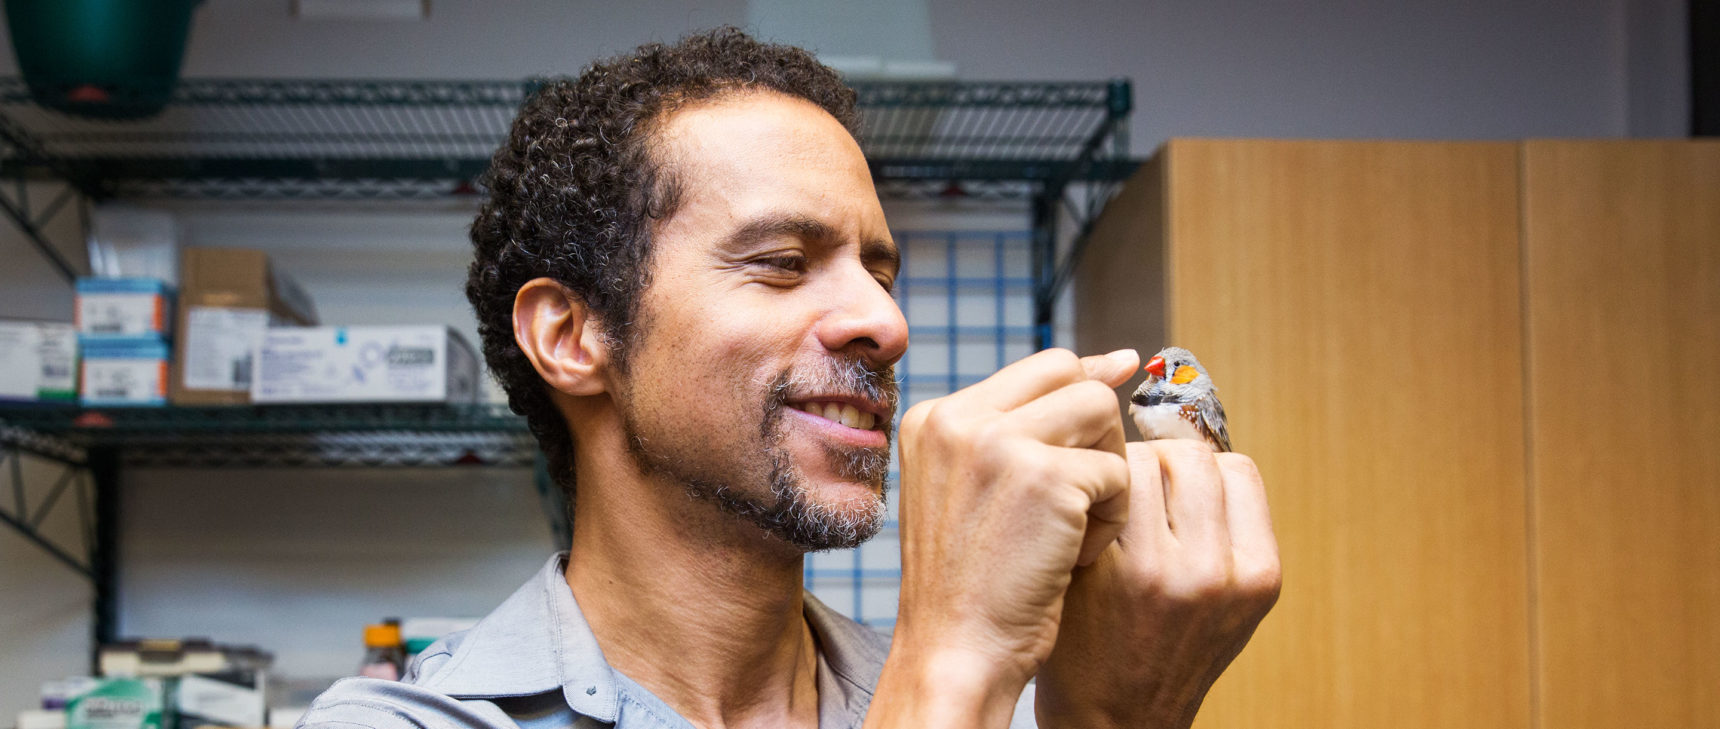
[[1358, 305], [1623, 275]]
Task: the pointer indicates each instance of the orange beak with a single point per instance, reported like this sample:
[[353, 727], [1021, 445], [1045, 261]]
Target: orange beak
[[1156, 366]]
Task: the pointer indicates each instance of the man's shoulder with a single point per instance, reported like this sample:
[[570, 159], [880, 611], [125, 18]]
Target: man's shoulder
[[379, 704]]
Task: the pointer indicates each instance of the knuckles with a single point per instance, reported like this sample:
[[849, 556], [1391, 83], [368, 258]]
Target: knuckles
[[1191, 455], [1240, 465]]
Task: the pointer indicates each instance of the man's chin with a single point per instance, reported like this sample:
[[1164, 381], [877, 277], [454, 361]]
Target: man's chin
[[830, 514]]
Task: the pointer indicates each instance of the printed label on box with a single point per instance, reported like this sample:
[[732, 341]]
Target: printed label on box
[[220, 344], [38, 361], [57, 348], [118, 704], [364, 364], [139, 381], [212, 700], [20, 367], [120, 314]]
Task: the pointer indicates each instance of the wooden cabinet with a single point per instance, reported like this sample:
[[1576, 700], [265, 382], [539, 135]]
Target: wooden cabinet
[[1382, 333], [1622, 269]]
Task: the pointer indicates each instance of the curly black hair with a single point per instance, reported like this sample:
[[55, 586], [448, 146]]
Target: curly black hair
[[575, 188]]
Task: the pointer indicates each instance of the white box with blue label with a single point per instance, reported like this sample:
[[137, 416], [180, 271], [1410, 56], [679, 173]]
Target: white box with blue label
[[124, 371], [427, 363], [123, 307]]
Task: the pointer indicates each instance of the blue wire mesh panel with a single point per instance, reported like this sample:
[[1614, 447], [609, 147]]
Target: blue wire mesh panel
[[968, 297]]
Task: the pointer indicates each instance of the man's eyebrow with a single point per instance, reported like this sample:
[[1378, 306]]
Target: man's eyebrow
[[764, 228], [772, 226]]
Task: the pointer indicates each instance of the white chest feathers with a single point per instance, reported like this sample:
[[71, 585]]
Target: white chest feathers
[[1168, 420]]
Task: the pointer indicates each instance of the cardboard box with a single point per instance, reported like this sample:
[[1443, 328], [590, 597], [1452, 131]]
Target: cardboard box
[[229, 298], [365, 364], [121, 703], [124, 372], [122, 307], [38, 361]]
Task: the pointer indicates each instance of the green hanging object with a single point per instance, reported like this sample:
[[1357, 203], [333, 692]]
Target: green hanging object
[[109, 59]]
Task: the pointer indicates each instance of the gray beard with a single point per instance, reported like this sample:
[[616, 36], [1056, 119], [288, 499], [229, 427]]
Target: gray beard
[[789, 512]]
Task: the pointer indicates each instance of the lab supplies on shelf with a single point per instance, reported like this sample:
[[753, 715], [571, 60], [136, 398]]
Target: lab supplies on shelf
[[429, 363]]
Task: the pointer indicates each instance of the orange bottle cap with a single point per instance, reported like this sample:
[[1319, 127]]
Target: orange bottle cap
[[381, 635]]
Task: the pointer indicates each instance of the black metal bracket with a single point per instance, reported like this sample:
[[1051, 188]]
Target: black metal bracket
[[27, 151], [1079, 191], [26, 517]]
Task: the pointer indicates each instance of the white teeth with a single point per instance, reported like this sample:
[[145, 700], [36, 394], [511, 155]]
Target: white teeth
[[848, 415]]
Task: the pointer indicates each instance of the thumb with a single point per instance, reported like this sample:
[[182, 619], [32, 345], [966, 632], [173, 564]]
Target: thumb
[[1112, 369]]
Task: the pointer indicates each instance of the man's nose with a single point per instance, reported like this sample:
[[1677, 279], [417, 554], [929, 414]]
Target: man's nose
[[864, 319]]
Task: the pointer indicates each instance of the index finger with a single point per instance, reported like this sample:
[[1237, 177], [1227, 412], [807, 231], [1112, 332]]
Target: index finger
[[1047, 371], [1025, 380], [1112, 369]]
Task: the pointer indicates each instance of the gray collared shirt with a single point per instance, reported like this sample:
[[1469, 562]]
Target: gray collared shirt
[[534, 664]]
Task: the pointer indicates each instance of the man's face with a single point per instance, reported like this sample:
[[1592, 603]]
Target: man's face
[[761, 379]]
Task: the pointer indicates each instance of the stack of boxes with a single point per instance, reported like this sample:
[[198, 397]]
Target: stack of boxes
[[157, 325], [232, 297], [160, 684], [124, 312], [123, 326]]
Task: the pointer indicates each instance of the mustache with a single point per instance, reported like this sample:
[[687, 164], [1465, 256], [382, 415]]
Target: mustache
[[854, 377]]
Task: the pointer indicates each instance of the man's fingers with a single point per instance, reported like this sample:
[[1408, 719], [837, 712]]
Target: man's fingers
[[1112, 369], [1026, 380], [1079, 415], [1147, 521], [1104, 478], [1248, 520], [1194, 494]]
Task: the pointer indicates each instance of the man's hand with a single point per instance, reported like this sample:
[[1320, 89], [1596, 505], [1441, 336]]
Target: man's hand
[[1006, 486], [1149, 627]]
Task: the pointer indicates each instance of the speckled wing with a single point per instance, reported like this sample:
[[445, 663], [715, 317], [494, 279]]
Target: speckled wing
[[1211, 424]]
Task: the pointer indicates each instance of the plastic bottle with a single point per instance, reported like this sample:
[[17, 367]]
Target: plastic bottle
[[384, 656]]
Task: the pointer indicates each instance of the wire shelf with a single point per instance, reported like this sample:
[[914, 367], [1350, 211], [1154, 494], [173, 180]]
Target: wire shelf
[[278, 436], [393, 139]]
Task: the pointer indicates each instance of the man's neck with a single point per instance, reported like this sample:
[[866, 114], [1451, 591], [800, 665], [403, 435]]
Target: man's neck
[[692, 604]]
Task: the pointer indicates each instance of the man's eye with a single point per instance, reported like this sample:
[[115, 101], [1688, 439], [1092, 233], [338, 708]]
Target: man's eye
[[796, 264]]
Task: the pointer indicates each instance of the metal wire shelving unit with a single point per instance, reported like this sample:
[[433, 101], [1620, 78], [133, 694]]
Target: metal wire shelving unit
[[1061, 147]]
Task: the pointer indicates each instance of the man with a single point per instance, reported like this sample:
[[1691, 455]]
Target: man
[[682, 280]]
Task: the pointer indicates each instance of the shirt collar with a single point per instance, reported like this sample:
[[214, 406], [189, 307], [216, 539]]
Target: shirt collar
[[538, 641]]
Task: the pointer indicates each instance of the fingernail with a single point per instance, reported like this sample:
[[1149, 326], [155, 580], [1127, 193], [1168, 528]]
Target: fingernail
[[1124, 356]]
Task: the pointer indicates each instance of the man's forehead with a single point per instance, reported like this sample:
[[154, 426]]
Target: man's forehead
[[746, 126], [771, 162]]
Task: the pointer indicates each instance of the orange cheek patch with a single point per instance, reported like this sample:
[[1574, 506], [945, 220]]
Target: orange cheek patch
[[1184, 375]]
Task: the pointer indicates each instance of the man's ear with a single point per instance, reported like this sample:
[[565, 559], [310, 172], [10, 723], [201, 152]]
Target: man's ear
[[559, 335]]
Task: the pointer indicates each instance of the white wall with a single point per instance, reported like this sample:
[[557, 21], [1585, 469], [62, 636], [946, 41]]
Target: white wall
[[297, 560]]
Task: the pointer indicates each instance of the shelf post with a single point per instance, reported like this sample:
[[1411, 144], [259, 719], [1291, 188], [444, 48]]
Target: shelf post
[[104, 553]]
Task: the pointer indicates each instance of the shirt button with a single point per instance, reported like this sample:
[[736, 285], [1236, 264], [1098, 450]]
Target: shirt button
[[590, 690]]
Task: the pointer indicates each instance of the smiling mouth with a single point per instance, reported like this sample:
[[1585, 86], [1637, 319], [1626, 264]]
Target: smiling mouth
[[837, 412]]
